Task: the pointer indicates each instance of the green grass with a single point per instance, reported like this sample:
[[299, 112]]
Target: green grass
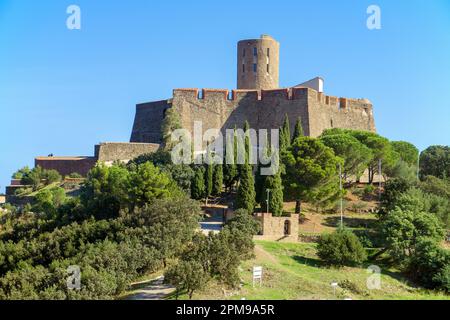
[[293, 271]]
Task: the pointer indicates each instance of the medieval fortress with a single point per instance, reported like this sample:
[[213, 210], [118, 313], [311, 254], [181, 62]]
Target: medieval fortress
[[258, 99]]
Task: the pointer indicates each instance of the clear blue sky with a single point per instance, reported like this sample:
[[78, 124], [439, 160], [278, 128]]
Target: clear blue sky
[[63, 91]]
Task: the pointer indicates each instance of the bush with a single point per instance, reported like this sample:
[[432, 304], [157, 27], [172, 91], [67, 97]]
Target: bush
[[187, 276], [439, 187], [358, 206], [393, 189], [369, 189], [75, 175], [430, 265], [357, 191], [341, 248], [403, 228], [51, 176], [443, 278]]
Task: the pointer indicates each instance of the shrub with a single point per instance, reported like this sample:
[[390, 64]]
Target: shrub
[[341, 248], [443, 278], [402, 230], [358, 206], [75, 175], [51, 176], [187, 276], [357, 191], [393, 189], [430, 265], [369, 189]]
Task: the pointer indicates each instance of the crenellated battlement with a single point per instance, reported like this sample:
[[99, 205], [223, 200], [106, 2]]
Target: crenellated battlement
[[295, 93]]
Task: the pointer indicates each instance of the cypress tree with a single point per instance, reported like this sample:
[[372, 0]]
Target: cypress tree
[[259, 185], [217, 180], [198, 183], [298, 131], [282, 142], [170, 123], [245, 198], [274, 184], [247, 150], [248, 146], [246, 195], [230, 170], [286, 131], [259, 178], [208, 176]]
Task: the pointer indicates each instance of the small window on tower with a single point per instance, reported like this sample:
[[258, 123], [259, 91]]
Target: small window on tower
[[255, 51], [243, 68], [243, 53], [268, 52], [268, 69], [254, 67]]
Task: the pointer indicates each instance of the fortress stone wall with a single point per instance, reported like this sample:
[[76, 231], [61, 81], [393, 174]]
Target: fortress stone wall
[[106, 152], [66, 165], [263, 109]]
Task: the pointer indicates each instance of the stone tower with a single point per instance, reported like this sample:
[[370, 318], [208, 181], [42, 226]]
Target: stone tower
[[258, 63]]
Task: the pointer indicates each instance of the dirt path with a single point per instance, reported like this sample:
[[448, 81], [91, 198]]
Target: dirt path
[[262, 254], [150, 290]]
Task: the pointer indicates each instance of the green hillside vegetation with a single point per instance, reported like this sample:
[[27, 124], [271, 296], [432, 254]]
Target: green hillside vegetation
[[125, 222], [293, 271]]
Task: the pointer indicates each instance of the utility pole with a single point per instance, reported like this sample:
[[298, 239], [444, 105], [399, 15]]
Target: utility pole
[[267, 200], [341, 201]]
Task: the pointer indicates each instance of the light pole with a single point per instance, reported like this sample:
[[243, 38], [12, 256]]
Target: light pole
[[267, 200]]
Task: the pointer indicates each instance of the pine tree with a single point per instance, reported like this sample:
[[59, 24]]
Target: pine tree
[[198, 183], [298, 131], [217, 180]]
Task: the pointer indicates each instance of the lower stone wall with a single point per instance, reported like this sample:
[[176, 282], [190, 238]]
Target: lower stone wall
[[108, 152], [66, 165]]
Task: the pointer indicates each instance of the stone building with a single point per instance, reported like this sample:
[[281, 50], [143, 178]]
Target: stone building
[[278, 228], [257, 99]]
